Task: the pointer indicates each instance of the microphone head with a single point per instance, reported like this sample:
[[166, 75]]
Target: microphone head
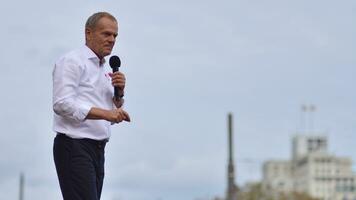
[[114, 62]]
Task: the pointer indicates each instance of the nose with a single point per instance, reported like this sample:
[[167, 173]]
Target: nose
[[112, 38]]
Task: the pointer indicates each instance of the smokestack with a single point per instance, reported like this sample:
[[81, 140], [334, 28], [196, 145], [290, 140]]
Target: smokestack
[[230, 132], [231, 186], [22, 183]]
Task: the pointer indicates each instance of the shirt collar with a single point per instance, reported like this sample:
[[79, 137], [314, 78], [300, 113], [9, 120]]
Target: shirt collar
[[92, 56]]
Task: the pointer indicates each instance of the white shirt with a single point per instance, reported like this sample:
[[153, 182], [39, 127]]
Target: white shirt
[[80, 82]]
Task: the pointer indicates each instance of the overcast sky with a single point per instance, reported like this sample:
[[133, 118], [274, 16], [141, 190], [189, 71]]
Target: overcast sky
[[187, 63]]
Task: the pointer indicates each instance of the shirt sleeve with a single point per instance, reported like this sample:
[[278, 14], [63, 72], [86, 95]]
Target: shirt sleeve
[[66, 77]]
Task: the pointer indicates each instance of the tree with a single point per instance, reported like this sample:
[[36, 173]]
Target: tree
[[256, 192]]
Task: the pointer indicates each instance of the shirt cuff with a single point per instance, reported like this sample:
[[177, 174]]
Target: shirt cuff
[[81, 113]]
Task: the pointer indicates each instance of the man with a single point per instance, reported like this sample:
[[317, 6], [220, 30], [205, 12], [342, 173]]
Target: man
[[84, 110]]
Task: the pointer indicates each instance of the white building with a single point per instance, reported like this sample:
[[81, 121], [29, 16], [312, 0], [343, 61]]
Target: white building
[[278, 175], [312, 170], [305, 145]]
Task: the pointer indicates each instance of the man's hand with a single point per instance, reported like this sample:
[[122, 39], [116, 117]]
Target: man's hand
[[118, 115], [114, 116], [118, 80]]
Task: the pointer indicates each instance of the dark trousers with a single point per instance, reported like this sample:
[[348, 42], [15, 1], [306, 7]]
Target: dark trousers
[[80, 167]]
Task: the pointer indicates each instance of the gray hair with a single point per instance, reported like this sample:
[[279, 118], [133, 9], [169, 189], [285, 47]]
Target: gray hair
[[93, 20]]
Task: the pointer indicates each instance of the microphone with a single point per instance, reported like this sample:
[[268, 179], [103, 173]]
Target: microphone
[[115, 63]]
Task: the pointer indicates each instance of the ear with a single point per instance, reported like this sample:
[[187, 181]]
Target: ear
[[88, 33]]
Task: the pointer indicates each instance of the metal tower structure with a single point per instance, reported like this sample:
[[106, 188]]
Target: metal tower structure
[[231, 193]]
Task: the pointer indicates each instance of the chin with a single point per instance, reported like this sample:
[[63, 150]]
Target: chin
[[108, 52]]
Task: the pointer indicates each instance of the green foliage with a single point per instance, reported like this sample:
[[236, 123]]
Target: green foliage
[[256, 192]]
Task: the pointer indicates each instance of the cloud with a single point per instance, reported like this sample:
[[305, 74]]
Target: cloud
[[187, 64]]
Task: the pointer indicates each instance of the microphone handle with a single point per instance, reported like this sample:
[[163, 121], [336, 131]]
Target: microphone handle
[[118, 93]]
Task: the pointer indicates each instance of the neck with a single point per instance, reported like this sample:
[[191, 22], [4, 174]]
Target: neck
[[101, 58]]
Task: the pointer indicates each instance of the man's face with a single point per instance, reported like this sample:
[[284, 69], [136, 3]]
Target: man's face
[[101, 39]]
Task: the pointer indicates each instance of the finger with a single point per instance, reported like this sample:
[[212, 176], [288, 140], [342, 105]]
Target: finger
[[117, 74], [127, 116], [118, 119], [118, 116], [120, 85], [124, 115], [120, 81]]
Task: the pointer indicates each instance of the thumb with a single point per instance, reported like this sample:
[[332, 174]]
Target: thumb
[[127, 117]]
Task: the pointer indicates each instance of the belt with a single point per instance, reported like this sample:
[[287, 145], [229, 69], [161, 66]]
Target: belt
[[98, 143]]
